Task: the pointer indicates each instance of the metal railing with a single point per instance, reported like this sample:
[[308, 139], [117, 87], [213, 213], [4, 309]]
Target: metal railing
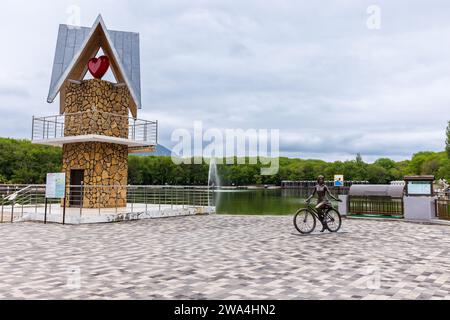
[[376, 206], [311, 184], [171, 195], [443, 209], [306, 192], [100, 197], [9, 189], [94, 122], [15, 201]]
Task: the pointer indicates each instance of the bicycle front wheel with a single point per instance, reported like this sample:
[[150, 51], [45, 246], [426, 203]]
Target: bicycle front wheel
[[333, 220], [304, 221]]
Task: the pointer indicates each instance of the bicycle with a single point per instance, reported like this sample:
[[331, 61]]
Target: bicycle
[[305, 219]]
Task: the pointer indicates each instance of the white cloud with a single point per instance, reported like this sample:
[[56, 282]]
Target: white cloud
[[312, 70]]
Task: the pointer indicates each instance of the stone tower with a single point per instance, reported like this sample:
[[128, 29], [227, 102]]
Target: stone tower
[[96, 107], [97, 125]]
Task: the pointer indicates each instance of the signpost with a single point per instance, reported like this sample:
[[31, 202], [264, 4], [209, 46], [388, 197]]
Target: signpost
[[56, 186], [419, 202], [338, 180], [55, 189], [419, 186]]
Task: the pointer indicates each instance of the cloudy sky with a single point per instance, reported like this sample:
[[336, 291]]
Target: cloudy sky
[[312, 69]]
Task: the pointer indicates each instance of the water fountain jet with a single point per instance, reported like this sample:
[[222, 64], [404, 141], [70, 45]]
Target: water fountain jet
[[213, 182]]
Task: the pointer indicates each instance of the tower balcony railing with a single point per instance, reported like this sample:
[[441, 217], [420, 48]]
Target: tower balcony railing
[[58, 129]]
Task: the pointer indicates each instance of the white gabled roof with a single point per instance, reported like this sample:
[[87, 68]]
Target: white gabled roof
[[71, 43]]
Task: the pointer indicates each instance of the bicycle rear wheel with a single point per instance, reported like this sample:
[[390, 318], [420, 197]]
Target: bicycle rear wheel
[[304, 221], [333, 220]]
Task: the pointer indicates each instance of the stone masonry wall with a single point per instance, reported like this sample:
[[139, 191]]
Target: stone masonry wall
[[104, 164], [97, 107]]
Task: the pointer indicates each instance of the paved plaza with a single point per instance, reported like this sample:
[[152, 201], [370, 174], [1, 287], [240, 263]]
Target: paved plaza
[[224, 257]]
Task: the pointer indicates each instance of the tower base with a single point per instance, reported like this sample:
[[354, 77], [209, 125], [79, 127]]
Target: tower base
[[101, 169]]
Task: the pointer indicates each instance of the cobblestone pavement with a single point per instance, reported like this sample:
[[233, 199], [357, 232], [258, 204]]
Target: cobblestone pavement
[[224, 257]]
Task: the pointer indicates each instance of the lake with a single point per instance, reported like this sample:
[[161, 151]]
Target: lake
[[261, 202]]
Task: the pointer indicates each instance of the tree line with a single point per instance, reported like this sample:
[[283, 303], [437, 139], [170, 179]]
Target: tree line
[[24, 163], [161, 170]]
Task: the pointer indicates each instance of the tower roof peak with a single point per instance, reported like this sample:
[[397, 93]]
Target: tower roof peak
[[76, 45]]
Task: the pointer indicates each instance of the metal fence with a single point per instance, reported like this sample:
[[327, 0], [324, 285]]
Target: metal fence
[[312, 184], [376, 206], [80, 123], [15, 201], [7, 189], [443, 209], [306, 192], [100, 197]]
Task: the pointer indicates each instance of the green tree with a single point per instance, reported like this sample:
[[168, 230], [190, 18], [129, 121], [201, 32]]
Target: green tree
[[385, 163], [444, 170], [431, 166], [23, 162], [135, 170], [418, 160], [377, 174], [359, 158]]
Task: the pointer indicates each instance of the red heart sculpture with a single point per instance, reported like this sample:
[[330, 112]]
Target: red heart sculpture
[[98, 66]]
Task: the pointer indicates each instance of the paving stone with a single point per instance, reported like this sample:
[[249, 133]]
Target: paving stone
[[224, 257]]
